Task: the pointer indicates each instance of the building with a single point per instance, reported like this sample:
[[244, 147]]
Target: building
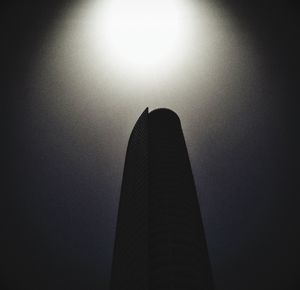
[[160, 242]]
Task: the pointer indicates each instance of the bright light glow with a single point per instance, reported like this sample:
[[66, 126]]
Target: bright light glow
[[143, 36], [95, 54]]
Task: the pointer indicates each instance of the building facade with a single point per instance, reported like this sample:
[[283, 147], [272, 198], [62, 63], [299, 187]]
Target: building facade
[[160, 242]]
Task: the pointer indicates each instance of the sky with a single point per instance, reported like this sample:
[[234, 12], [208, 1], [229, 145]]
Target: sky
[[72, 94]]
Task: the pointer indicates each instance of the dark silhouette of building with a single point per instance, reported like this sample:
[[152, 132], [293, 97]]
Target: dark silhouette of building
[[160, 243]]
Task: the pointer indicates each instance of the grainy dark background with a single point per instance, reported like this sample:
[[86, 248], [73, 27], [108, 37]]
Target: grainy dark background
[[56, 232]]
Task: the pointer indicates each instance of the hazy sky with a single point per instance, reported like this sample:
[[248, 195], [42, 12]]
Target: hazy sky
[[222, 69]]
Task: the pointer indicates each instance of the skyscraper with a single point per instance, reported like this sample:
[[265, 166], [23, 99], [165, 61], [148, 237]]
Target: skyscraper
[[160, 242]]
